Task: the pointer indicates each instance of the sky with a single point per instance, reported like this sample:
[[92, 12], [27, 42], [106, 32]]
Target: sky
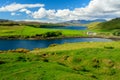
[[59, 10]]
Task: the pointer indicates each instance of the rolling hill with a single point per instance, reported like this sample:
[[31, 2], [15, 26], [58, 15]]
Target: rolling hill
[[110, 25]]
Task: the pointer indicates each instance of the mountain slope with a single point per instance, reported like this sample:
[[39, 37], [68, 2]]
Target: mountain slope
[[110, 25]]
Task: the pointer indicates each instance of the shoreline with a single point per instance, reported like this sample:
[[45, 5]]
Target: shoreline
[[52, 38], [62, 37]]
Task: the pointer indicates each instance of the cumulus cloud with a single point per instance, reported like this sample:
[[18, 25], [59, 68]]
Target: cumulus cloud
[[41, 13], [51, 14], [104, 9], [14, 7], [99, 9], [95, 9], [26, 11]]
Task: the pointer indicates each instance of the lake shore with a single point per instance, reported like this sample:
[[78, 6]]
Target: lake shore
[[61, 37]]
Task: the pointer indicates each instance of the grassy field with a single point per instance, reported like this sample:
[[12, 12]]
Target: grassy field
[[25, 32], [111, 27], [70, 61], [31, 31]]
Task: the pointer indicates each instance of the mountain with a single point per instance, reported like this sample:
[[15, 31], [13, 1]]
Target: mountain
[[85, 21], [110, 25], [11, 23], [4, 20]]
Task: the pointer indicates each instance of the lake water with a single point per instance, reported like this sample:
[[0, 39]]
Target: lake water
[[71, 28], [31, 44]]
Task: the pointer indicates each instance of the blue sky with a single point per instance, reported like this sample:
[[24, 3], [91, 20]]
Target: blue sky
[[50, 4], [58, 10]]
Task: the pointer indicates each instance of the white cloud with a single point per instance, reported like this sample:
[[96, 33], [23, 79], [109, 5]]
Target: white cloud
[[43, 21], [99, 9], [12, 14], [14, 7], [95, 9], [104, 9], [51, 14], [26, 11], [63, 13], [41, 13]]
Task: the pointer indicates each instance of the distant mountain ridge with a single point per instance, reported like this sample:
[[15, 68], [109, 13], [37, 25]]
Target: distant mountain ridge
[[4, 20], [85, 21]]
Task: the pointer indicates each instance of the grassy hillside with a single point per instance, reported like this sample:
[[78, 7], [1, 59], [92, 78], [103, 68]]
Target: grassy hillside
[[28, 31], [110, 25], [113, 24], [92, 25], [75, 61], [75, 46]]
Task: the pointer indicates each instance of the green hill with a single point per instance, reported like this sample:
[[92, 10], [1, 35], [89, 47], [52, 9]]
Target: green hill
[[110, 25]]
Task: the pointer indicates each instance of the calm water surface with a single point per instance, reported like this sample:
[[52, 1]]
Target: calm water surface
[[31, 44], [71, 28]]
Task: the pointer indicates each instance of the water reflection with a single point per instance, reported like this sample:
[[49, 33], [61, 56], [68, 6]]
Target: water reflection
[[31, 44]]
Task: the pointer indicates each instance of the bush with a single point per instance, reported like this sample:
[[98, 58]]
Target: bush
[[52, 34], [45, 60], [116, 33], [96, 63], [108, 47], [38, 35], [2, 62], [21, 58]]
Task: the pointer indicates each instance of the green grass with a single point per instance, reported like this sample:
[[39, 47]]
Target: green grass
[[108, 25], [28, 31], [108, 28], [79, 45], [71, 61], [32, 31]]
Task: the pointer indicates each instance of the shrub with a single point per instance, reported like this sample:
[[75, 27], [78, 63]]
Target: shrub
[[52, 34], [24, 58], [38, 35], [21, 58], [45, 60], [112, 71], [2, 62], [108, 47], [96, 63], [116, 33]]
